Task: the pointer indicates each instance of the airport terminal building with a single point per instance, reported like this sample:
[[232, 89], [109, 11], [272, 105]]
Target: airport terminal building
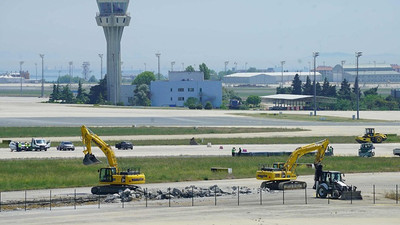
[[266, 78]]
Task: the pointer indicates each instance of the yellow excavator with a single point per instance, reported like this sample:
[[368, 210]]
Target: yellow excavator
[[283, 176], [112, 180]]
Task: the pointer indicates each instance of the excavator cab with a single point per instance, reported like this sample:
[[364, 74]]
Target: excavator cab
[[106, 174]]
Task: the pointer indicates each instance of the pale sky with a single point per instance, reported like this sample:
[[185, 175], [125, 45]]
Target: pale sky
[[259, 32]]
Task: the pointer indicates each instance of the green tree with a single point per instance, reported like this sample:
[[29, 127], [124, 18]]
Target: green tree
[[296, 85], [318, 88], [55, 95], [253, 100], [190, 69], [144, 78], [252, 69], [308, 89], [284, 90], [325, 87], [207, 73], [98, 93], [371, 91], [344, 91], [66, 95], [142, 95], [81, 97], [191, 102], [93, 79]]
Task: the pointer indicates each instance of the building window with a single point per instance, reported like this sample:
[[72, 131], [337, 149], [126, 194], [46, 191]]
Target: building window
[[171, 99], [171, 89], [181, 98], [181, 89], [190, 89], [201, 89]]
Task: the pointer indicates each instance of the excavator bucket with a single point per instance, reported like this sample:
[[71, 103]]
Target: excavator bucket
[[90, 159]]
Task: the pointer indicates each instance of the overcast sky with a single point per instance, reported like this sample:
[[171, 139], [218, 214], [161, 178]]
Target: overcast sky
[[260, 32]]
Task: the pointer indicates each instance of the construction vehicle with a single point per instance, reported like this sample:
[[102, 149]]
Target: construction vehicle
[[37, 144], [283, 175], [331, 183], [371, 136], [112, 179], [366, 150]]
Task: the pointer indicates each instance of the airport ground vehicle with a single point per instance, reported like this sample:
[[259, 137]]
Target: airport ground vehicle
[[283, 176], [124, 145], [112, 179], [396, 151], [371, 136], [36, 144], [66, 146], [331, 183], [366, 150]]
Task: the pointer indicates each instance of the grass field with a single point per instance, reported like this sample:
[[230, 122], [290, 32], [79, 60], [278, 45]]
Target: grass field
[[60, 173], [6, 132]]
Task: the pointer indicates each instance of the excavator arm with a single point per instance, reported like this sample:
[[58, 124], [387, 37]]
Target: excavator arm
[[87, 137], [320, 146]]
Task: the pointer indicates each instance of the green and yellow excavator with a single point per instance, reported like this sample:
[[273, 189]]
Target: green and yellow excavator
[[112, 179]]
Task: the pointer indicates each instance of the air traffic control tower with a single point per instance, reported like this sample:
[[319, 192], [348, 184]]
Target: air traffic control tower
[[113, 18]]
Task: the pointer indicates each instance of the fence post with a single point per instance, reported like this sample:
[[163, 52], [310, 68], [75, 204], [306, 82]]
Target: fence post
[[74, 198], [373, 191], [169, 199], [25, 200], [145, 195], [192, 196], [0, 201], [305, 194], [98, 196], [50, 200], [351, 195], [215, 195], [238, 195], [397, 194], [260, 196], [283, 194]]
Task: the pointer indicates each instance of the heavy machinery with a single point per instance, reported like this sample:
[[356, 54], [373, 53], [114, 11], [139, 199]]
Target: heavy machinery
[[371, 136], [331, 183], [366, 150], [112, 178], [283, 176]]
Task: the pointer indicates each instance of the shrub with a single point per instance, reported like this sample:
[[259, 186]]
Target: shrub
[[199, 106], [208, 105]]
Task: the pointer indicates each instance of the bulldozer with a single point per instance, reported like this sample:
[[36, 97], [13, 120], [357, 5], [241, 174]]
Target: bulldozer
[[331, 184], [112, 179], [371, 136]]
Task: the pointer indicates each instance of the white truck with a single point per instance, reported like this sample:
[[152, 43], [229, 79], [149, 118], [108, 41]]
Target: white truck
[[37, 144], [396, 151]]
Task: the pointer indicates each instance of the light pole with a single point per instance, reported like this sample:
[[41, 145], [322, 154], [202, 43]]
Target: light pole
[[42, 56], [20, 73], [226, 64], [158, 57], [172, 65], [235, 66], [36, 70], [245, 66], [315, 55], [101, 66], [282, 63], [358, 54], [343, 62]]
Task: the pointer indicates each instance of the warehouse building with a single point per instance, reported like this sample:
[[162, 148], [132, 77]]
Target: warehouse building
[[267, 78]]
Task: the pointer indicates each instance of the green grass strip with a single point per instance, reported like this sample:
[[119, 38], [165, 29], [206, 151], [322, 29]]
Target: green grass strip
[[62, 173]]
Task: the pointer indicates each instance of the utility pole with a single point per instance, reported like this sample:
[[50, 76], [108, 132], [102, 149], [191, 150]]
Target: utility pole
[[282, 63], [101, 66], [358, 54], [42, 56], [172, 65], [226, 64], [315, 55], [343, 62], [158, 57], [20, 73]]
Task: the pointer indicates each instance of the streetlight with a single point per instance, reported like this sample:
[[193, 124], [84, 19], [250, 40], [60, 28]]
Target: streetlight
[[343, 62], [235, 66], [245, 66], [42, 56], [158, 57], [226, 64], [20, 73], [172, 65], [315, 55], [101, 66], [358, 54], [282, 63]]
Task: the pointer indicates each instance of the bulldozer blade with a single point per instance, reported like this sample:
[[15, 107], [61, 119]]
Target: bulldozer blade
[[351, 195], [90, 159]]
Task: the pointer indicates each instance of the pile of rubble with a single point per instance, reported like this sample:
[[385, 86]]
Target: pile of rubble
[[174, 193]]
